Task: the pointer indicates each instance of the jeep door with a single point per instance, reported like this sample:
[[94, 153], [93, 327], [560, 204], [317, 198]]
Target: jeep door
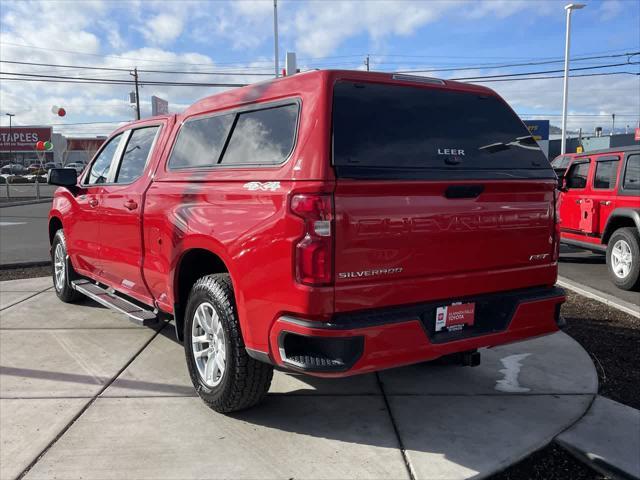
[[83, 227], [603, 187], [121, 213], [572, 206]]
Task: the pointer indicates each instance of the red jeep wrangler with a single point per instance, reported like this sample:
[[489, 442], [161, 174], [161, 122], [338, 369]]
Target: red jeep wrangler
[[331, 222], [600, 209]]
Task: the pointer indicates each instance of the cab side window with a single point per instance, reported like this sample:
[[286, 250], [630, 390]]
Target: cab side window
[[262, 137], [606, 174], [101, 167], [200, 142], [631, 179], [136, 153], [577, 176]]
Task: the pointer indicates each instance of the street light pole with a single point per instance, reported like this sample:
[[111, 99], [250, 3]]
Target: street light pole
[[565, 89], [275, 36], [11, 161]]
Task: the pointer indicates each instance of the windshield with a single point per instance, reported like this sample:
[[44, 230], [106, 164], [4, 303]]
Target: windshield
[[561, 161], [390, 127]]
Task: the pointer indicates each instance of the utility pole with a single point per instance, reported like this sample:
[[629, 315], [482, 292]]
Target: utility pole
[[135, 79], [11, 160], [275, 36], [366, 62]]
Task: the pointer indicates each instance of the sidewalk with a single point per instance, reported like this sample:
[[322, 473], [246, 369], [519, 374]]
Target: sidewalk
[[84, 393], [607, 438]]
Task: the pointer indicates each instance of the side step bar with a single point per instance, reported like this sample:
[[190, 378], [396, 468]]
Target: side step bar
[[136, 314]]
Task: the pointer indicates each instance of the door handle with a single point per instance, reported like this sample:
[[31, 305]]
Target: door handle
[[130, 205], [93, 202], [606, 203], [578, 202]]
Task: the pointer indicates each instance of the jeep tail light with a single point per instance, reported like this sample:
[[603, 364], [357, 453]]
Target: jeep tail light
[[556, 218], [314, 251]]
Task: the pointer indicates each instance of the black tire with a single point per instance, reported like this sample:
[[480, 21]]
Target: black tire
[[245, 381], [63, 290], [628, 235]]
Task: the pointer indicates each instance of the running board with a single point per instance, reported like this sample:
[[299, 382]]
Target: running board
[[136, 314]]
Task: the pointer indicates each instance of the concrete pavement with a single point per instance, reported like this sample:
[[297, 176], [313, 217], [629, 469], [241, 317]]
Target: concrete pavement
[[608, 437], [84, 393]]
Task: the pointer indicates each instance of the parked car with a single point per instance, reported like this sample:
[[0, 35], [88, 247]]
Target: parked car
[[77, 166], [49, 165], [330, 222], [36, 169], [600, 209], [13, 169]]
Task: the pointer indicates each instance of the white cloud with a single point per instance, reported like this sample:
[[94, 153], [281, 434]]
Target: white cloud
[[163, 28]]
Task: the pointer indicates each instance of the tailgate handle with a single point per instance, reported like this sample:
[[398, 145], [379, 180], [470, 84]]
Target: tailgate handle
[[463, 191]]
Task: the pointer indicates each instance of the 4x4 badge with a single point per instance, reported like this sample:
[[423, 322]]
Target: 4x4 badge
[[264, 186]]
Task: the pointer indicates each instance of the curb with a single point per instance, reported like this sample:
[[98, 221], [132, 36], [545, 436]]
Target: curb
[[609, 300], [15, 266], [611, 452], [25, 202]]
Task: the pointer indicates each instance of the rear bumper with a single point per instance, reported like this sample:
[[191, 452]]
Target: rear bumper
[[368, 341]]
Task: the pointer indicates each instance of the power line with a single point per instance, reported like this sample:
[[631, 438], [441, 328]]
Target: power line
[[553, 76], [114, 69], [519, 64], [574, 69]]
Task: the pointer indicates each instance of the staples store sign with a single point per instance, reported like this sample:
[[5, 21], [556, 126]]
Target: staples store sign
[[22, 139]]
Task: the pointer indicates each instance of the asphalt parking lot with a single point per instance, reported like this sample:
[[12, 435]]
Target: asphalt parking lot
[[23, 233], [86, 394], [23, 236]]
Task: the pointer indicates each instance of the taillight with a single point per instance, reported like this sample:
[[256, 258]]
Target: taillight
[[556, 233], [314, 251]]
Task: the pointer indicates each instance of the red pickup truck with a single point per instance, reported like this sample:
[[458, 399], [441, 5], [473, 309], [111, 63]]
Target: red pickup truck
[[330, 222]]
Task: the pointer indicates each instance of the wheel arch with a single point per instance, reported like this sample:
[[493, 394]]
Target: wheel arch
[[192, 264], [55, 224], [619, 218]]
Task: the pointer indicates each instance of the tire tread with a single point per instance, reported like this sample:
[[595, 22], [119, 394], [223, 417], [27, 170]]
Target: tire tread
[[251, 378]]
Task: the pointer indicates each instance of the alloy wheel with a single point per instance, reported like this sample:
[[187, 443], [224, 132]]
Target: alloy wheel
[[208, 344], [59, 266], [621, 259]]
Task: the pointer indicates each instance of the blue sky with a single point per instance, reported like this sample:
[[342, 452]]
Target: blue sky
[[476, 36]]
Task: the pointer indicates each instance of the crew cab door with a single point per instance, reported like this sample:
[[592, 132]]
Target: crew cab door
[[83, 225], [121, 214], [576, 206]]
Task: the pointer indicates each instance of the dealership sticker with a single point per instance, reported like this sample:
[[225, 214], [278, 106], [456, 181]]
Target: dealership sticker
[[454, 317]]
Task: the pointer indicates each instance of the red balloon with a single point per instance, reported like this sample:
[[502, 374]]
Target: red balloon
[[40, 145], [62, 112]]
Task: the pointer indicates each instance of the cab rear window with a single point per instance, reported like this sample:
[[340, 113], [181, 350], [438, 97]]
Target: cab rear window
[[409, 132]]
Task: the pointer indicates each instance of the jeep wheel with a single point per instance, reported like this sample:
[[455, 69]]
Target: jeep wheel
[[224, 376], [61, 277], [623, 258]]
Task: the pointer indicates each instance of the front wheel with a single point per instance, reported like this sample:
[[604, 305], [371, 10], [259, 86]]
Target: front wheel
[[224, 376], [61, 275], [623, 258]]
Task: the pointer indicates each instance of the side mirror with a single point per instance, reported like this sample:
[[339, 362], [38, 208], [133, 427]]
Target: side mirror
[[63, 177], [562, 184]]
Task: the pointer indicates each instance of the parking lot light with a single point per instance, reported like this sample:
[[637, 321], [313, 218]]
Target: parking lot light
[[565, 90]]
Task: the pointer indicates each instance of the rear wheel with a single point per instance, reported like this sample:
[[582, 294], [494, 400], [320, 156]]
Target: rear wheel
[[224, 376], [623, 258], [61, 275]]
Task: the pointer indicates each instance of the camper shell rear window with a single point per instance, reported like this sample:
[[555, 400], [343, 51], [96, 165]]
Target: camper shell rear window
[[405, 132]]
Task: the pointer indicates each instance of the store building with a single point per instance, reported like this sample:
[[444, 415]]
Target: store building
[[18, 145]]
